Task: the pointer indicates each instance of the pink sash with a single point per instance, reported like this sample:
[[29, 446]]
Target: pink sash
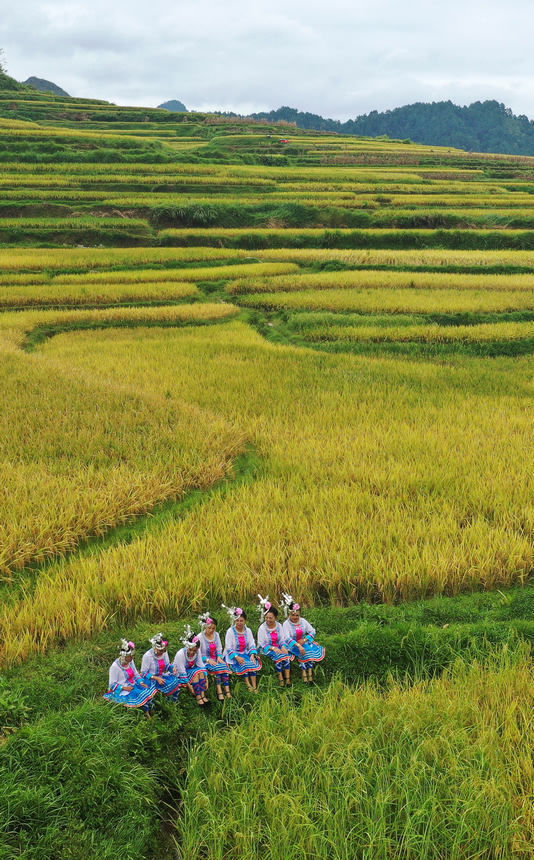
[[274, 637], [161, 664], [131, 674], [242, 642], [213, 650]]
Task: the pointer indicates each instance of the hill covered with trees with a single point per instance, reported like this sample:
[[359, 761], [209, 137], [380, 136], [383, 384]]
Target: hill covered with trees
[[481, 127], [45, 86]]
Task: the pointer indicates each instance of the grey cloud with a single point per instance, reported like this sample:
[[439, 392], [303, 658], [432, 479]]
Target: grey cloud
[[338, 59]]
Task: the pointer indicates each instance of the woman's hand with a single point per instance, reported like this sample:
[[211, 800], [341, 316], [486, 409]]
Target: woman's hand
[[127, 687], [240, 660], [302, 650], [158, 679]]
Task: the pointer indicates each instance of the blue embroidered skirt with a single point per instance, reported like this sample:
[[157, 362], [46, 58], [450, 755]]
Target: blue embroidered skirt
[[281, 661], [136, 698], [221, 667], [192, 676], [314, 652], [171, 685], [244, 668]]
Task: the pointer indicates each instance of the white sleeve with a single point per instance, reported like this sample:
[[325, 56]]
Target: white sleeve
[[287, 631], [282, 638], [200, 660], [219, 643], [116, 676], [179, 663], [229, 641], [146, 663], [307, 627], [263, 636]]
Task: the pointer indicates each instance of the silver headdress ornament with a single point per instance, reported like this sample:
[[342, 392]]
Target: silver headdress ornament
[[205, 619], [289, 604], [233, 611], [189, 638], [126, 648], [263, 606], [158, 641]]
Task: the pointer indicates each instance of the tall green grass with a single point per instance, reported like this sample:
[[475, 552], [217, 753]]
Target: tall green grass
[[441, 769]]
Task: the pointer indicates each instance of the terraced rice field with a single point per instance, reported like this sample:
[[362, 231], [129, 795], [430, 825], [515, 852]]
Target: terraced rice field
[[328, 344]]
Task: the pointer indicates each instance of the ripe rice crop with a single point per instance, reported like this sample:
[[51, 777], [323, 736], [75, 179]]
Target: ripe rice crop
[[423, 258], [160, 290], [381, 479], [388, 300], [79, 457], [369, 279], [213, 273], [425, 333], [436, 769], [67, 259]]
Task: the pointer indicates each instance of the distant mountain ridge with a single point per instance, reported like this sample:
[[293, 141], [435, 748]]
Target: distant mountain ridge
[[45, 86], [482, 127]]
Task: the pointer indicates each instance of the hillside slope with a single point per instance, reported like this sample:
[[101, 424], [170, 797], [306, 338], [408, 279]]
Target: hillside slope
[[482, 127]]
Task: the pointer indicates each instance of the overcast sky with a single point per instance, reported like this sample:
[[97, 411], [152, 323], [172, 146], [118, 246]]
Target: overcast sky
[[338, 58]]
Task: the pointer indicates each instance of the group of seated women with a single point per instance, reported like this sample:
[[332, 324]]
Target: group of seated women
[[202, 656]]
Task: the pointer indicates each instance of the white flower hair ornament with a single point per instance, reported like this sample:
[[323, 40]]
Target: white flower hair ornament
[[263, 606], [234, 612], [158, 642], [189, 638], [289, 604], [205, 619]]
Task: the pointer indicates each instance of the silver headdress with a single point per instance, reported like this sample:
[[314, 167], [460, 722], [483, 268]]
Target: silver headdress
[[189, 638], [263, 606], [205, 619], [126, 648], [158, 641], [289, 604], [233, 611]]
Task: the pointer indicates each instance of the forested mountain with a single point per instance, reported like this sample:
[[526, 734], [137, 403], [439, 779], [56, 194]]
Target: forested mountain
[[45, 86], [174, 105], [482, 127]]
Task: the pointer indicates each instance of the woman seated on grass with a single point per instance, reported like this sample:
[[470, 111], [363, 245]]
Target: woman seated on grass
[[157, 667], [126, 686], [240, 652], [189, 666], [212, 654], [271, 641], [299, 636]]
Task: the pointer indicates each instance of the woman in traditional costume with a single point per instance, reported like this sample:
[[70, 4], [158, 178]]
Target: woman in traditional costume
[[299, 636], [189, 666], [157, 667], [126, 686], [212, 654], [271, 641], [240, 650]]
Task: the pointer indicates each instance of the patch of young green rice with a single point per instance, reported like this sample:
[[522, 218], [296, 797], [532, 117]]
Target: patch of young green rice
[[440, 769]]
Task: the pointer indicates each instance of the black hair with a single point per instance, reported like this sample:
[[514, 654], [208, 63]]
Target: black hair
[[272, 609], [213, 620], [242, 615]]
